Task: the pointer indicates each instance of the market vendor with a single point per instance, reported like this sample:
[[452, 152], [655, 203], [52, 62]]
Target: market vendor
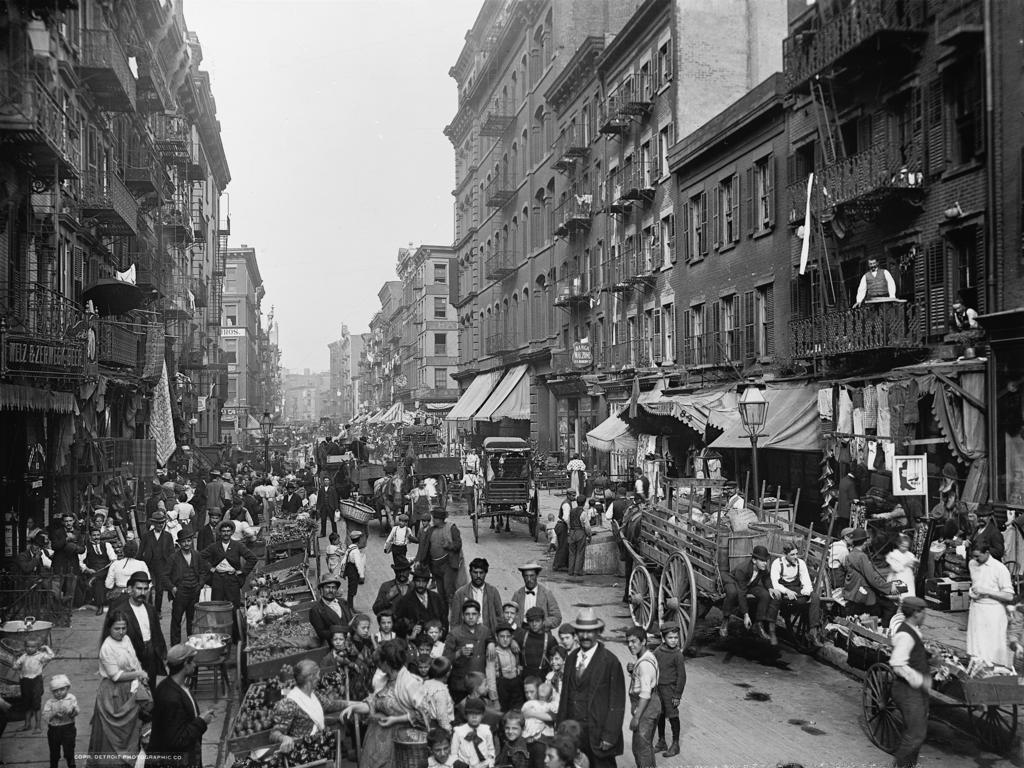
[[229, 562], [988, 532], [328, 610], [264, 609], [301, 712], [865, 589], [752, 581], [991, 591], [909, 661]]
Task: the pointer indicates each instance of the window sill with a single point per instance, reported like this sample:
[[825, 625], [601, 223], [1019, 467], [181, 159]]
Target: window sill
[[664, 87], [726, 248], [763, 233], [956, 171]]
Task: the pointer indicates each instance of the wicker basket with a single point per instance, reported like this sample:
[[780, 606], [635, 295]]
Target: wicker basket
[[410, 754], [357, 513]]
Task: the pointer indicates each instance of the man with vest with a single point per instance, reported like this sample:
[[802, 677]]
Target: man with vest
[[579, 536], [909, 660], [441, 552], [187, 576], [95, 560], [479, 591], [536, 644], [876, 284], [156, 548]]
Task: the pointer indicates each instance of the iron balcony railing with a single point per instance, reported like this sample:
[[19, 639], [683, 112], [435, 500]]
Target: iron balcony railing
[[35, 310], [144, 172], [500, 190], [106, 70], [500, 264], [870, 328], [807, 53], [632, 98], [571, 293], [571, 144], [117, 344], [176, 223], [497, 117], [573, 214], [632, 353], [173, 138], [106, 199], [32, 120], [500, 343], [872, 174], [153, 90]]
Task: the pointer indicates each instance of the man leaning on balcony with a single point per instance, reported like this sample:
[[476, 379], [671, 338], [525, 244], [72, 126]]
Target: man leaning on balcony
[[875, 285]]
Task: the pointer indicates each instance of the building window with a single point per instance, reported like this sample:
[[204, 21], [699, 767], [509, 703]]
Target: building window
[[730, 338], [440, 378], [764, 309], [697, 235], [666, 136], [764, 194], [440, 273], [440, 343], [668, 333], [693, 335], [665, 61], [727, 212], [230, 351], [440, 308], [967, 107], [668, 239]]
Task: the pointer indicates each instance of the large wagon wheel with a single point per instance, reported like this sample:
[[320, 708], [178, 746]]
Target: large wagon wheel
[[882, 715], [641, 597], [677, 596], [995, 726]]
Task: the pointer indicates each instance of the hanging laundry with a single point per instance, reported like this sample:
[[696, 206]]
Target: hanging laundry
[[825, 403], [857, 396], [911, 415], [870, 407], [859, 443], [884, 427], [845, 422]]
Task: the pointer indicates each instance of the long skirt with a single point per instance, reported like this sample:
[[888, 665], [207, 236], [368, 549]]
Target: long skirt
[[379, 744], [116, 728], [986, 632]]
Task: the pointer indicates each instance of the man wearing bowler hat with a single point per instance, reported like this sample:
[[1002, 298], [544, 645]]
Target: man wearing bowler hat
[[329, 610], [176, 740], [156, 547], [989, 533], [533, 594], [390, 591], [865, 589], [594, 693], [187, 575], [752, 581], [909, 660], [421, 605], [144, 630], [441, 551]]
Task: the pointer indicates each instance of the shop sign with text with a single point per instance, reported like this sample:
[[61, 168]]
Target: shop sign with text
[[582, 354], [23, 355]]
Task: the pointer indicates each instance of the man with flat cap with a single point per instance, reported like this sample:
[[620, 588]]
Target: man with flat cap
[[390, 591], [156, 547], [144, 630], [329, 611], [187, 576], [291, 504], [441, 552], [227, 562], [594, 693], [176, 740], [751, 581], [420, 605], [533, 594], [909, 660]]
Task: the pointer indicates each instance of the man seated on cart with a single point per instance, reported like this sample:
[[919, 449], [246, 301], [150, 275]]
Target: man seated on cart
[[752, 581], [791, 578]]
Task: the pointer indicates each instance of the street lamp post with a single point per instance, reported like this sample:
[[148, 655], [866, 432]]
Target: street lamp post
[[266, 429], [754, 413]]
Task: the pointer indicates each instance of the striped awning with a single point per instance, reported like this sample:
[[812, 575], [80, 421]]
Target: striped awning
[[18, 397]]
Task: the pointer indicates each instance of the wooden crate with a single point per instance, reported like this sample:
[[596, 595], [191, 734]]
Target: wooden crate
[[271, 667]]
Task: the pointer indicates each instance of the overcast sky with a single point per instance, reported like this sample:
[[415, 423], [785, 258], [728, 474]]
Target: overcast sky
[[332, 114]]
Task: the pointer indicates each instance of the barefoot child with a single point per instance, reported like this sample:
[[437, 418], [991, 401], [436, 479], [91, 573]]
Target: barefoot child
[[397, 542], [29, 667]]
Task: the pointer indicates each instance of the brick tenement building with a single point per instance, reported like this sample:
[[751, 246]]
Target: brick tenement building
[[564, 222]]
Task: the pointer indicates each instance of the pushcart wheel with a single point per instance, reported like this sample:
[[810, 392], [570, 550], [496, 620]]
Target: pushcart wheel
[[995, 726], [677, 596], [641, 597], [882, 715]]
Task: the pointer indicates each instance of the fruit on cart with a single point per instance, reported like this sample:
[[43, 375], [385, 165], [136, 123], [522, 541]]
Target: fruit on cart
[[310, 749]]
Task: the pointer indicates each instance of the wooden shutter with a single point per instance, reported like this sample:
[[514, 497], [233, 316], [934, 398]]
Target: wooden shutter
[[656, 333], [979, 270], [687, 335], [714, 354], [716, 203], [684, 209], [936, 128], [749, 206], [770, 190], [736, 208], [769, 319], [703, 200], [748, 325], [672, 236], [935, 275]]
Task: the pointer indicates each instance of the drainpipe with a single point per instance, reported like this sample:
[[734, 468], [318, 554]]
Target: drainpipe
[[992, 233]]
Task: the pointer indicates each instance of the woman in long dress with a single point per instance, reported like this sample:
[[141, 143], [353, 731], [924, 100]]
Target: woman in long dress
[[396, 712], [116, 727], [577, 471]]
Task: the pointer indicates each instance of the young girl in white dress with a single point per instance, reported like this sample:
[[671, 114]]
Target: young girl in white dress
[[902, 564]]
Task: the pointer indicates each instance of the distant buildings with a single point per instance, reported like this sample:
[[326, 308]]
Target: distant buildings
[[306, 396], [343, 400]]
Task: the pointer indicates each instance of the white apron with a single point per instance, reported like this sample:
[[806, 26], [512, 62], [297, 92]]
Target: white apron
[[986, 632]]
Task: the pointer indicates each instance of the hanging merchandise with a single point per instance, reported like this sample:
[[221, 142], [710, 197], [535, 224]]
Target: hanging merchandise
[[162, 425], [845, 421], [911, 414], [825, 403], [870, 407]]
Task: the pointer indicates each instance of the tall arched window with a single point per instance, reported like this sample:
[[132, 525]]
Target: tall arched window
[[524, 143]]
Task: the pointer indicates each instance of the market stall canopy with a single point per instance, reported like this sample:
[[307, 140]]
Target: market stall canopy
[[793, 423], [510, 399], [474, 396], [612, 434], [111, 296], [699, 409], [393, 415]]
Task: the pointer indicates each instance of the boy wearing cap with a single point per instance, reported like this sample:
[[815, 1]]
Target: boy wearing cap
[[671, 684], [186, 579], [909, 661], [536, 644], [59, 714], [466, 648], [751, 580], [473, 742], [441, 551], [354, 567]]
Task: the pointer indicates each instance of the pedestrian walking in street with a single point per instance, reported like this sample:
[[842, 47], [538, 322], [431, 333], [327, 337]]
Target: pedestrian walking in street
[[354, 567], [909, 661], [156, 547], [187, 576], [144, 631], [29, 666], [420, 605], [479, 590], [440, 549], [594, 693], [96, 561], [59, 714], [399, 537], [176, 740], [579, 535], [116, 724], [328, 506], [533, 594], [645, 704], [671, 684], [561, 559]]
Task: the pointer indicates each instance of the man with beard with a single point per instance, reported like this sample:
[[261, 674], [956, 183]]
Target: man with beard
[[421, 605], [95, 561], [177, 737], [390, 591], [482, 593], [187, 574], [594, 693], [143, 626], [291, 505], [329, 611], [533, 594], [155, 549]]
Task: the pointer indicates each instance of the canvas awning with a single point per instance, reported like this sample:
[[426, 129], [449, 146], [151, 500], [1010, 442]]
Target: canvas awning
[[697, 410], [792, 425], [510, 399], [474, 396], [612, 434]]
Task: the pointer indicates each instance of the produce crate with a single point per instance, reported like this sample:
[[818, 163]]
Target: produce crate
[[263, 669], [989, 691]]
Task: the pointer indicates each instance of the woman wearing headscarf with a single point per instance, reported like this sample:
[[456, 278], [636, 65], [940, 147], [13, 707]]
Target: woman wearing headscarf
[[576, 469]]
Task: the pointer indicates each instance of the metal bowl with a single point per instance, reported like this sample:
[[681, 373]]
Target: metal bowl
[[207, 655]]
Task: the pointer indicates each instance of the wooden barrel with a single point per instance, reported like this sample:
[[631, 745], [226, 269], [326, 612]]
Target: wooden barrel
[[214, 616], [742, 544]]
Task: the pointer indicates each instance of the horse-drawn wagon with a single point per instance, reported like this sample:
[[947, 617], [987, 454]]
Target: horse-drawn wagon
[[507, 488]]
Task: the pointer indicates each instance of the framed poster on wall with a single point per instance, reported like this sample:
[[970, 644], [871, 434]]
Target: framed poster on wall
[[910, 476]]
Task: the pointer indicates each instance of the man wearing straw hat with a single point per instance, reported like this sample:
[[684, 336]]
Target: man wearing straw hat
[[594, 693], [533, 594]]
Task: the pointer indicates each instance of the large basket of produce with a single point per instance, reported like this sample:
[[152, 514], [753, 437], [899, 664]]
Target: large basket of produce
[[355, 512], [283, 641], [209, 646]]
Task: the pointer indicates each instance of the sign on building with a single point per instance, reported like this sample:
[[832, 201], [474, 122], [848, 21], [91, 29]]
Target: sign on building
[[232, 333], [24, 355], [582, 354]]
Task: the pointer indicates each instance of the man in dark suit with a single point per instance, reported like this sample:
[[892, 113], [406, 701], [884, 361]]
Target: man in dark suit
[[441, 552], [97, 559], [533, 594], [327, 504], [198, 502], [292, 502], [594, 693], [176, 740], [390, 591], [479, 590], [208, 534], [156, 547], [329, 611], [752, 581], [228, 563], [143, 625], [187, 576], [30, 561], [67, 546], [215, 492], [420, 605]]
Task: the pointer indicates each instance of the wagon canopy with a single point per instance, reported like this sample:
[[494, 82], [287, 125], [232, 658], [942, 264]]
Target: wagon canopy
[[505, 444]]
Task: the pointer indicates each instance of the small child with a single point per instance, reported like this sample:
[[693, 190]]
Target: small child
[[549, 530], [439, 741], [671, 684], [334, 566], [539, 710], [505, 670], [264, 610], [902, 565], [517, 751], [554, 677], [436, 635], [361, 654], [59, 715], [567, 638], [473, 742], [397, 542], [29, 667], [337, 659], [385, 627], [510, 611], [354, 567], [333, 544], [572, 730]]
